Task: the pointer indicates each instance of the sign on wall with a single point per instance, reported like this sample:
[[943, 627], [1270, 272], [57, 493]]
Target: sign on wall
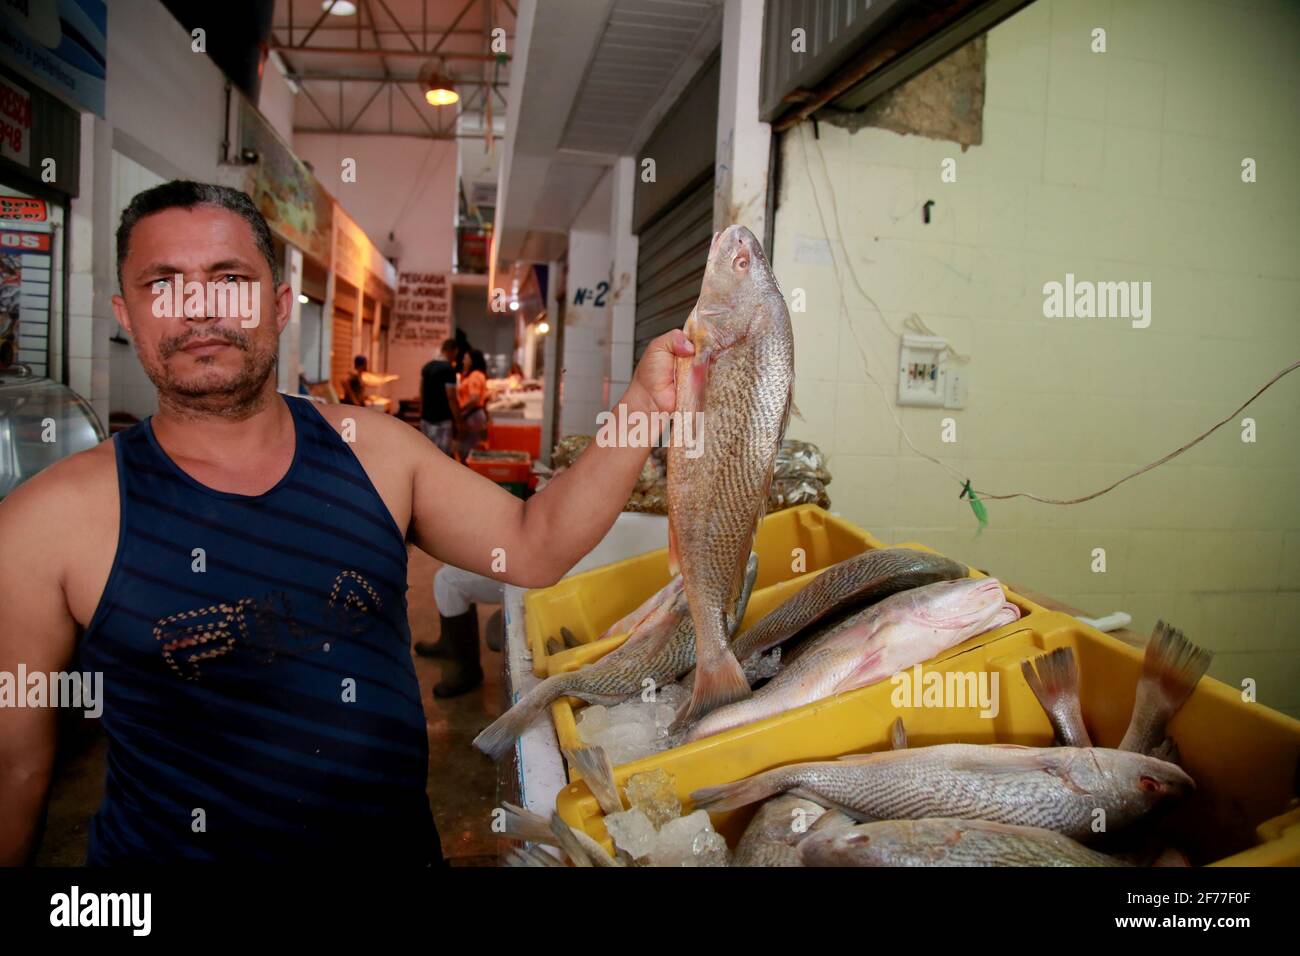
[[293, 201], [61, 45], [15, 123], [422, 316], [25, 299]]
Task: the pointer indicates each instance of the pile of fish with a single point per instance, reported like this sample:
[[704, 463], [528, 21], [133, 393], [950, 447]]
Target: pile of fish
[[944, 805]]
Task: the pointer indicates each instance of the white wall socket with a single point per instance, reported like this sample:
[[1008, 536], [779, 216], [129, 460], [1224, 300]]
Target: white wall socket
[[921, 369]]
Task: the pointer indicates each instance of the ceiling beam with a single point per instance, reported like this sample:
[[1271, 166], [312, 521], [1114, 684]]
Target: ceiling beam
[[365, 78], [380, 132], [353, 51]]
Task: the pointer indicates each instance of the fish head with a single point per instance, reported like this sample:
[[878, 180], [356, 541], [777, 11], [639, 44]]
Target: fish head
[[737, 280], [960, 605], [1148, 780]]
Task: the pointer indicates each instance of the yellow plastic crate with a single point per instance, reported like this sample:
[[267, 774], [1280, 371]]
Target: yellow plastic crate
[[590, 602], [761, 602], [1241, 755]]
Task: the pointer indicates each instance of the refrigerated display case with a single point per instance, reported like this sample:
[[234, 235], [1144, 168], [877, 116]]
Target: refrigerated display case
[[41, 422]]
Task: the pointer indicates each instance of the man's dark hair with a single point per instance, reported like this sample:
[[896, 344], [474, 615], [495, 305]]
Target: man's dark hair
[[186, 194], [477, 363], [360, 361]]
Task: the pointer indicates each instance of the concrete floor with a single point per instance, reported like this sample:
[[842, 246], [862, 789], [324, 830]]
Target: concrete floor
[[462, 781]]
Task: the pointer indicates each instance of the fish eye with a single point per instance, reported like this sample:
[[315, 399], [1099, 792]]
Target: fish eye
[[1150, 784], [742, 263]]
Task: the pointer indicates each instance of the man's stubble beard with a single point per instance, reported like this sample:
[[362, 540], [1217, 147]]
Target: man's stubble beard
[[202, 395]]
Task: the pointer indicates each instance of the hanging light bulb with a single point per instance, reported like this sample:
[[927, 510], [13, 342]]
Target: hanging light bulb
[[543, 328], [439, 87]]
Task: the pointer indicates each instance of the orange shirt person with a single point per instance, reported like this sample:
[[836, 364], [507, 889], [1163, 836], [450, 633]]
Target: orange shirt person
[[472, 395]]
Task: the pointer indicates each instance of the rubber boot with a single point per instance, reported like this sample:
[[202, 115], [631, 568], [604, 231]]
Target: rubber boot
[[463, 670], [441, 649], [495, 631]]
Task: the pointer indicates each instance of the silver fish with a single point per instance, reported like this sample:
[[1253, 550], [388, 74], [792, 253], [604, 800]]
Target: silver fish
[[947, 842], [872, 645], [1058, 788], [739, 383]]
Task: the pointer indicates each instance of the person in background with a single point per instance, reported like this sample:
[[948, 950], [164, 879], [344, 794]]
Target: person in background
[[516, 377], [456, 592], [439, 406], [472, 393], [353, 388]]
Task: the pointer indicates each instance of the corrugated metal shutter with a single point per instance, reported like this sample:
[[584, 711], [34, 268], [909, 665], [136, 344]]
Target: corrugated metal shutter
[[341, 355], [670, 264]]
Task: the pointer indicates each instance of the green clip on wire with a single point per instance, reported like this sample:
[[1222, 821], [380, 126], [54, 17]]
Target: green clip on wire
[[977, 506]]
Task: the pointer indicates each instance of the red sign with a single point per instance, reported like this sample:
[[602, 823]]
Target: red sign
[[22, 208], [13, 241]]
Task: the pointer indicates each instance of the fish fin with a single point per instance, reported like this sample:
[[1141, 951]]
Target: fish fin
[[1176, 665], [525, 825], [568, 842], [674, 553], [531, 856], [729, 796], [580, 848], [719, 680], [500, 735], [597, 772], [794, 409], [746, 589], [658, 625], [1167, 751], [897, 735], [1171, 668], [1054, 680], [981, 758], [862, 675]]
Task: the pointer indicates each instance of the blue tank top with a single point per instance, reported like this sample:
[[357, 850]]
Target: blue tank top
[[260, 702]]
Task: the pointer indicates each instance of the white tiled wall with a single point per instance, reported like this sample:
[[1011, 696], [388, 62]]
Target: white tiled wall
[[1117, 166], [129, 388]]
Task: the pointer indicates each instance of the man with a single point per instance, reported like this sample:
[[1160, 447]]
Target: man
[[438, 408], [354, 391], [235, 568]]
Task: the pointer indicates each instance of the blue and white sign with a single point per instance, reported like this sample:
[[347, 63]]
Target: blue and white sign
[[60, 45]]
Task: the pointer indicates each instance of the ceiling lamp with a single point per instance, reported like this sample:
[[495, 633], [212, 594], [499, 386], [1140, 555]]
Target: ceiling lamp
[[543, 328], [340, 8], [439, 88]]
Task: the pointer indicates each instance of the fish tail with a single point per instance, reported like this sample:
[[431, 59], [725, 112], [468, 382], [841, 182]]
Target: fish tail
[[897, 735], [525, 825], [741, 793], [580, 848], [719, 679], [597, 772], [1054, 679], [1171, 669], [501, 734]]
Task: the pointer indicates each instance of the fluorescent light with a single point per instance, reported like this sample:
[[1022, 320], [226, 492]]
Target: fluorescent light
[[341, 8]]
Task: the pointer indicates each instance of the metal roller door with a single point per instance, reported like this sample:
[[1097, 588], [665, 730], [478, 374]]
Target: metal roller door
[[670, 263]]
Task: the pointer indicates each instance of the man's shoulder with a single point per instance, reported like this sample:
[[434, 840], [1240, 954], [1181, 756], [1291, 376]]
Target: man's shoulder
[[61, 494], [367, 427]]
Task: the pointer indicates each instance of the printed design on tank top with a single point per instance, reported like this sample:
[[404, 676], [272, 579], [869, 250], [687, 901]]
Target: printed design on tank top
[[267, 627]]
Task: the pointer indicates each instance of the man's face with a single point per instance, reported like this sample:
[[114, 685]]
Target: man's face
[[205, 351]]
